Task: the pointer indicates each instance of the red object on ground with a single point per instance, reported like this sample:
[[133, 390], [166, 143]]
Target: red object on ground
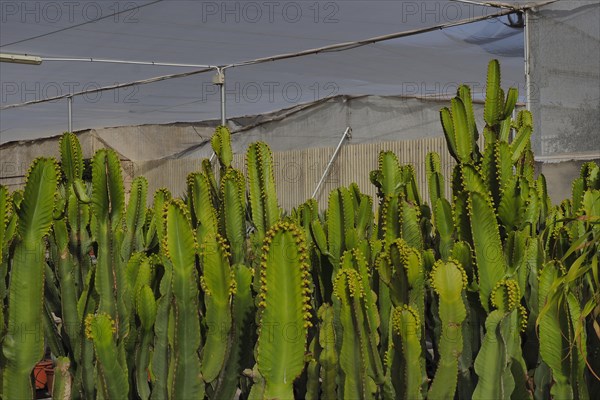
[[43, 374]]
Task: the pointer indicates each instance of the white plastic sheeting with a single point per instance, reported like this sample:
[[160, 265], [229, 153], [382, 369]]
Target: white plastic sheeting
[[225, 32], [565, 78]]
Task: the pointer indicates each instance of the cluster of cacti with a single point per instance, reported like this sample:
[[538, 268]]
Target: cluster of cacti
[[493, 293]]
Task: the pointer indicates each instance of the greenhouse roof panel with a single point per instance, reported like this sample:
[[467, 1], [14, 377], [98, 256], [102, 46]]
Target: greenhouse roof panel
[[229, 32]]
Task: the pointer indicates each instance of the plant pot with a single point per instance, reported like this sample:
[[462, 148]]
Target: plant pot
[[50, 378], [43, 373]]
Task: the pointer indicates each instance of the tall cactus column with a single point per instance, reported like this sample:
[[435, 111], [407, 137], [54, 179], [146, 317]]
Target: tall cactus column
[[23, 345], [449, 281], [284, 310], [180, 247]]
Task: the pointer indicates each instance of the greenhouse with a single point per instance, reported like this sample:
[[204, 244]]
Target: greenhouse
[[300, 200]]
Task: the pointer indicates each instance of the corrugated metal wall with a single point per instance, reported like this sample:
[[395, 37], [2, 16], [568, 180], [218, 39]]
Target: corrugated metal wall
[[297, 172]]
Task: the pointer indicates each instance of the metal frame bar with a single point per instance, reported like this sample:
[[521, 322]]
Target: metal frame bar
[[70, 103], [347, 134], [221, 76], [527, 61], [112, 61]]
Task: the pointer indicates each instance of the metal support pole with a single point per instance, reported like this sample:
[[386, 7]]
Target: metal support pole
[[70, 103], [219, 80], [527, 61], [223, 100], [347, 134]]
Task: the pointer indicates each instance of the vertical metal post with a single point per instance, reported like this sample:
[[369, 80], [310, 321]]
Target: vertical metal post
[[527, 61], [70, 103], [219, 80], [222, 72], [347, 134]]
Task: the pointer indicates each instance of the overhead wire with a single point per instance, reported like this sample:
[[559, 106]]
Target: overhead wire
[[111, 61], [325, 49], [80, 24], [111, 87], [359, 43]]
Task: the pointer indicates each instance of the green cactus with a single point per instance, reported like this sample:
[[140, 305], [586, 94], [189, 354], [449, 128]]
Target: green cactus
[[135, 218], [63, 382], [359, 360], [355, 379], [264, 208], [459, 127], [146, 310], [410, 226], [401, 268], [491, 266], [171, 311], [218, 285], [494, 99], [240, 354], [71, 157], [435, 178], [406, 327], [22, 345], [348, 220], [449, 281], [160, 370], [233, 192], [400, 208], [328, 357], [221, 144], [387, 178], [444, 225], [179, 246], [65, 267], [558, 348], [101, 330], [108, 203], [159, 366], [283, 309], [356, 260], [202, 205], [499, 364], [8, 220]]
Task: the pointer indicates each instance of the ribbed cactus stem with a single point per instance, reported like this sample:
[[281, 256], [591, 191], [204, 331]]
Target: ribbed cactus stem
[[101, 330], [406, 324], [328, 357], [179, 246], [108, 202], [23, 344], [449, 281], [219, 286], [63, 381], [221, 144], [261, 187], [71, 157], [146, 309], [135, 218], [233, 195], [284, 309], [349, 290]]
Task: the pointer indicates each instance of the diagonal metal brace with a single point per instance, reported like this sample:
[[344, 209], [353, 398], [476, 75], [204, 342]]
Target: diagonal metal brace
[[347, 135]]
